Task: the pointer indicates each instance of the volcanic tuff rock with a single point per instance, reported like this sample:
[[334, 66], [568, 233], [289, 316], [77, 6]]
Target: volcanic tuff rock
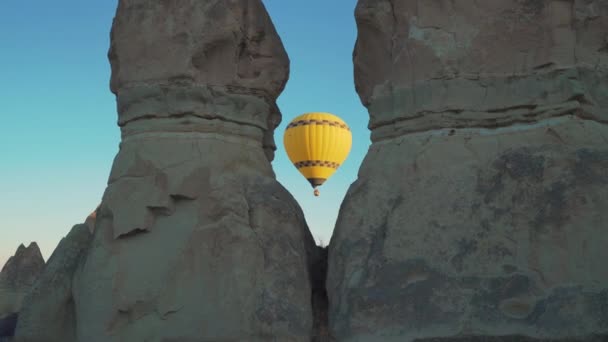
[[48, 312], [194, 240], [482, 206], [199, 66], [17, 277]]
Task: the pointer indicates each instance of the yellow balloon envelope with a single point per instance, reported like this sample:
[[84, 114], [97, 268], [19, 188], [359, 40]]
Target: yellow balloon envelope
[[317, 144]]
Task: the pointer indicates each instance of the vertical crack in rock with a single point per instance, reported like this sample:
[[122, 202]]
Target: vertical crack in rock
[[319, 299]]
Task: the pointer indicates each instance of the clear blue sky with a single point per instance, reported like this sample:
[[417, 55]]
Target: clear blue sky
[[58, 133]]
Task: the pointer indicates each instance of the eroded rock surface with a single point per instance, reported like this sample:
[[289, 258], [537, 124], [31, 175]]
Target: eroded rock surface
[[199, 66], [481, 209], [17, 277], [194, 240], [48, 312]]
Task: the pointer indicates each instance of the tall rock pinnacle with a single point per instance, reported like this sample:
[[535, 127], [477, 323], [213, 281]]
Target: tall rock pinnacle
[[194, 240], [17, 277], [481, 208]]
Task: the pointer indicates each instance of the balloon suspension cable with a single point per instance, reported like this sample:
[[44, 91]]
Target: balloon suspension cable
[[316, 192]]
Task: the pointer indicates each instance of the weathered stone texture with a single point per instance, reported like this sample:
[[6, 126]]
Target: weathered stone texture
[[481, 207], [194, 240], [421, 65], [194, 60], [17, 277], [48, 309]]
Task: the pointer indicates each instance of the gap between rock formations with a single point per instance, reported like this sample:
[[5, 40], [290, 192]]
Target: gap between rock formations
[[320, 301]]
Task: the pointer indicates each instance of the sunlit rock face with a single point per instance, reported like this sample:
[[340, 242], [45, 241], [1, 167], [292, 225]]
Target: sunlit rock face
[[481, 208], [17, 277], [194, 240]]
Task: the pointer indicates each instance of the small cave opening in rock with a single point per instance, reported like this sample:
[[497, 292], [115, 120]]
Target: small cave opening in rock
[[8, 325]]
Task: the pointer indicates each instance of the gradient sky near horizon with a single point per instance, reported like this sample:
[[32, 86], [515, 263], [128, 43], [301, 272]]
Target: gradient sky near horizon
[[58, 136]]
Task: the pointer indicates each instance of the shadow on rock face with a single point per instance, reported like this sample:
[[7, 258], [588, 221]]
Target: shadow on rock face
[[319, 296], [7, 325]]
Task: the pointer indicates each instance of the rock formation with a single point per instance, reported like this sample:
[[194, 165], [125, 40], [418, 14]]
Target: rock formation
[[481, 208], [17, 277], [194, 240], [48, 312]]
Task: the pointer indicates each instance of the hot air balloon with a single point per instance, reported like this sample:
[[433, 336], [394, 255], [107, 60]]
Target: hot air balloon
[[317, 144]]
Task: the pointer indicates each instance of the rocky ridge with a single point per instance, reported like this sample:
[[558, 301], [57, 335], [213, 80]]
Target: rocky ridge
[[17, 277]]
